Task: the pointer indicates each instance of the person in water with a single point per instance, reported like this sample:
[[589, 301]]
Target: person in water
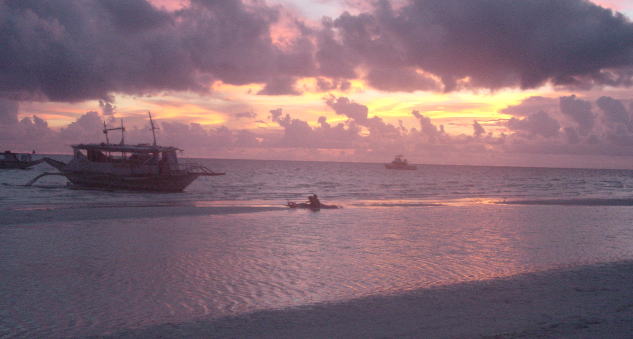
[[314, 201]]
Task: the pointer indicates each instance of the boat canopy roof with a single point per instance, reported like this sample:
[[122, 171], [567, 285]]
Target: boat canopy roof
[[140, 148]]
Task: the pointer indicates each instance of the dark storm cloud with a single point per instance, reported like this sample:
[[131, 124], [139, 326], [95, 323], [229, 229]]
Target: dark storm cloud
[[76, 50], [280, 86], [334, 59], [400, 79], [494, 43], [8, 112], [91, 49], [88, 49]]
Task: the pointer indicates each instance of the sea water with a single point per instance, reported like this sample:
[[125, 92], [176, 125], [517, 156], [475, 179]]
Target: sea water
[[397, 231]]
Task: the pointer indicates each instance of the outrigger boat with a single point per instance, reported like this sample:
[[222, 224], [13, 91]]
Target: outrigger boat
[[130, 167], [9, 159], [400, 163], [313, 204], [309, 206]]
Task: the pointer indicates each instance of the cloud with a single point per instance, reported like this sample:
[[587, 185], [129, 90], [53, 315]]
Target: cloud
[[245, 115], [8, 112], [614, 111], [427, 129], [325, 84], [572, 135], [298, 133], [478, 130], [280, 86], [532, 105], [537, 124], [608, 131], [107, 108], [361, 137], [77, 50], [579, 111], [493, 43], [87, 128], [88, 49], [334, 60], [401, 79], [344, 106]]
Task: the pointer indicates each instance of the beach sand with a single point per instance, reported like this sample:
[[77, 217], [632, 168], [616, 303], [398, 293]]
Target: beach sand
[[586, 302]]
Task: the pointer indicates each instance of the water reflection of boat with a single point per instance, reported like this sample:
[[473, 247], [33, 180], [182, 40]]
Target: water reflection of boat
[[9, 159], [130, 167], [400, 163]]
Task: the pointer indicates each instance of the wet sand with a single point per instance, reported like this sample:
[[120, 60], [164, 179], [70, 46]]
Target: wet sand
[[583, 302], [586, 302], [44, 215]]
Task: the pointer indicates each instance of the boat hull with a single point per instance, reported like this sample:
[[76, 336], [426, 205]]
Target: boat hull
[[400, 167], [308, 206], [157, 183]]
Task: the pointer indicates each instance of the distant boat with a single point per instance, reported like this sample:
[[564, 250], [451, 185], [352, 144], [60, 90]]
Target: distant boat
[[9, 159], [130, 167], [400, 163]]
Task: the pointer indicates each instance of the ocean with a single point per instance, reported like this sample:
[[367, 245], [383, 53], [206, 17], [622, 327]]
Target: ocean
[[77, 262]]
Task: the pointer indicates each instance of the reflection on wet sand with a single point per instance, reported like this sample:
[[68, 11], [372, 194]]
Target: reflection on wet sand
[[180, 264], [585, 302]]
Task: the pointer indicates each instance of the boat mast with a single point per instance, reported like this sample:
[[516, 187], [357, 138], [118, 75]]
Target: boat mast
[[153, 128], [122, 133], [106, 130]]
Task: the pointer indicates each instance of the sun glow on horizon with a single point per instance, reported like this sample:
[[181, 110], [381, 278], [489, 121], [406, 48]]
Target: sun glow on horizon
[[225, 102]]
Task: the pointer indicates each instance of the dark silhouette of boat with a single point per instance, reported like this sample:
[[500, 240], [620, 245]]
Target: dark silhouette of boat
[[9, 159], [313, 203], [309, 206], [400, 163], [130, 167]]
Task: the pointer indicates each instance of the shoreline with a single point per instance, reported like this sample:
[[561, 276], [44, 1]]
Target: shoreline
[[583, 302]]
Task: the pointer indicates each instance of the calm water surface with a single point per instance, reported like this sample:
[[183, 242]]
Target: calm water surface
[[398, 231], [272, 182]]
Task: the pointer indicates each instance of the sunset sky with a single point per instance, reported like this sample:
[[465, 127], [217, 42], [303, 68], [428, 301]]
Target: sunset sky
[[487, 82]]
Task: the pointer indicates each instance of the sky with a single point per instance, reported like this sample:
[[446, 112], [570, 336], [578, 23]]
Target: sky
[[477, 82]]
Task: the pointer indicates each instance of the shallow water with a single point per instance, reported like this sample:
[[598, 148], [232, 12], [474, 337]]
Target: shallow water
[[398, 231]]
